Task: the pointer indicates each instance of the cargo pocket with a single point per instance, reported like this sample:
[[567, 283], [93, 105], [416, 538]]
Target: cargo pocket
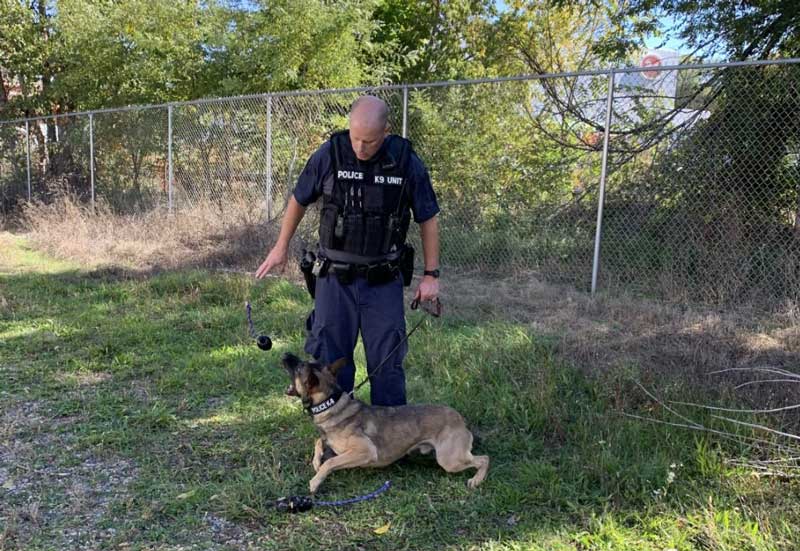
[[314, 341], [402, 350]]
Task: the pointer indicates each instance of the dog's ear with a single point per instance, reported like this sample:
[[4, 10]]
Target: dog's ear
[[312, 381], [290, 361], [337, 365]]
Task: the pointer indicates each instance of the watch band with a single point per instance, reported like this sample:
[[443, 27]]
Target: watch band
[[432, 273]]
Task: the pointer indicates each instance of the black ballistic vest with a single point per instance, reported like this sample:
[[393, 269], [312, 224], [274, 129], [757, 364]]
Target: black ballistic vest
[[366, 206]]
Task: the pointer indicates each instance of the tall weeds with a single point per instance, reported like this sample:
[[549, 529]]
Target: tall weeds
[[209, 234]]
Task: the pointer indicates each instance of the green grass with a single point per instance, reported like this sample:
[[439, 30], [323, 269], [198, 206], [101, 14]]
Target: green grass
[[172, 430]]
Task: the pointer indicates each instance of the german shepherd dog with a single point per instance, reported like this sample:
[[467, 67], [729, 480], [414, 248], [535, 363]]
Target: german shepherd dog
[[374, 436]]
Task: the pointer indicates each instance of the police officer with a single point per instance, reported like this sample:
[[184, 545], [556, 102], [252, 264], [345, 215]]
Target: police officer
[[370, 183]]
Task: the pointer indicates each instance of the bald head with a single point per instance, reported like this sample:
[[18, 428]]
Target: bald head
[[370, 110], [369, 125]]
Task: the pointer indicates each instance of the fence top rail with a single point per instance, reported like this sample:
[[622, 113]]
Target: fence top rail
[[421, 85]]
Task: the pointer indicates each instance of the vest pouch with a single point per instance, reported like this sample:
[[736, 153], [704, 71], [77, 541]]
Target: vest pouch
[[374, 238], [406, 264], [353, 233], [327, 226], [373, 198]]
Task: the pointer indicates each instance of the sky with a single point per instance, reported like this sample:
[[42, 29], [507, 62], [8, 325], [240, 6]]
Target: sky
[[672, 43]]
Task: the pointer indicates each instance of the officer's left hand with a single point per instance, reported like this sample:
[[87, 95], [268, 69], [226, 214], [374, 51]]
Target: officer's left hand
[[428, 289]]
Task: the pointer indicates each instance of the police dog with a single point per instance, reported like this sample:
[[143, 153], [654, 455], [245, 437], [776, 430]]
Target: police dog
[[374, 436]]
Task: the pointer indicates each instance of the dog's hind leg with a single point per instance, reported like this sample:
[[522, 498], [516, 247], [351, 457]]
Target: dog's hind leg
[[453, 455], [480, 462]]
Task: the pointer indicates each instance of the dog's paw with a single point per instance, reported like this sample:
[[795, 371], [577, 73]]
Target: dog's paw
[[313, 485]]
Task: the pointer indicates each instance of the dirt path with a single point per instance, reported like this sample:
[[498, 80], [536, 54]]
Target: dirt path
[[49, 484]]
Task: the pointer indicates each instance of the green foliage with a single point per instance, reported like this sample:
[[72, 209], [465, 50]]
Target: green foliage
[[25, 55], [552, 36], [435, 40], [129, 52], [287, 45], [76, 55]]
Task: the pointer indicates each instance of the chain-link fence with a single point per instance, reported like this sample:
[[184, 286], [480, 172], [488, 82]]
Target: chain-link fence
[[679, 182]]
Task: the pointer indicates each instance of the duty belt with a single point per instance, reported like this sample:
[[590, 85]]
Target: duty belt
[[375, 274]]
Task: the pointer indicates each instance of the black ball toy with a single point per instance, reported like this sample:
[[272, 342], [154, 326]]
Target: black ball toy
[[264, 342]]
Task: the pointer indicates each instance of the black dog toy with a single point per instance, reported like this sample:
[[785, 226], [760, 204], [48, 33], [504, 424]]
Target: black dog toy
[[294, 504], [263, 341]]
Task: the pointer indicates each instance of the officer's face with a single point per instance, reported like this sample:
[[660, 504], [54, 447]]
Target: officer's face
[[366, 137]]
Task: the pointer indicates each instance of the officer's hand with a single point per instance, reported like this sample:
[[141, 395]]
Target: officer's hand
[[276, 258], [428, 289]]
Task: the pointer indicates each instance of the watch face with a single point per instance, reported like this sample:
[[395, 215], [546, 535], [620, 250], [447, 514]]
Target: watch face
[[434, 273]]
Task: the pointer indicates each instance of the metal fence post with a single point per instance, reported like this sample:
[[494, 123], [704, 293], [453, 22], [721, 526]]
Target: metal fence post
[[91, 155], [405, 111], [169, 158], [602, 194], [28, 154], [268, 147]]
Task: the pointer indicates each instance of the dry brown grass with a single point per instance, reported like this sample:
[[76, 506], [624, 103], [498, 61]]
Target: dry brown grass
[[205, 235], [619, 339]]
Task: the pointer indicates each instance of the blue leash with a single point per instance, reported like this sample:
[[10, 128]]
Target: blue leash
[[301, 504], [352, 500]]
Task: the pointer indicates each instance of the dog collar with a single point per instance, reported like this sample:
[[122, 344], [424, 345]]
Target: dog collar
[[326, 404]]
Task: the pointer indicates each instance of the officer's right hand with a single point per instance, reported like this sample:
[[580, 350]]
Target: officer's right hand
[[277, 257]]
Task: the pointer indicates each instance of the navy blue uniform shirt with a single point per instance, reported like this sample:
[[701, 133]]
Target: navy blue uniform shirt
[[320, 166]]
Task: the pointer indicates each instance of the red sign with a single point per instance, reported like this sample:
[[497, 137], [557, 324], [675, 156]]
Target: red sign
[[651, 60]]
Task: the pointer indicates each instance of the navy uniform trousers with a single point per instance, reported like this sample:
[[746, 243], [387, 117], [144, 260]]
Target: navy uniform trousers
[[340, 311]]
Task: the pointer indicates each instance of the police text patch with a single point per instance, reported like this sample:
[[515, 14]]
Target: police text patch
[[389, 180], [350, 175]]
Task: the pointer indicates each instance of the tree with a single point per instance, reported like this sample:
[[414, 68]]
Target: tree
[[292, 44], [128, 52], [25, 56], [438, 40], [746, 29]]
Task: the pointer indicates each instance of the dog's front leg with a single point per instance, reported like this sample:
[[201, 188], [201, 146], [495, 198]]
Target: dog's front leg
[[318, 449], [351, 458]]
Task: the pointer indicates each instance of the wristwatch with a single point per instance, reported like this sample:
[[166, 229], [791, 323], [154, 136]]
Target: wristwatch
[[432, 273]]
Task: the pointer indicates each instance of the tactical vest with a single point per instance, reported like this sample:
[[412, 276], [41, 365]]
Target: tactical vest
[[366, 206]]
